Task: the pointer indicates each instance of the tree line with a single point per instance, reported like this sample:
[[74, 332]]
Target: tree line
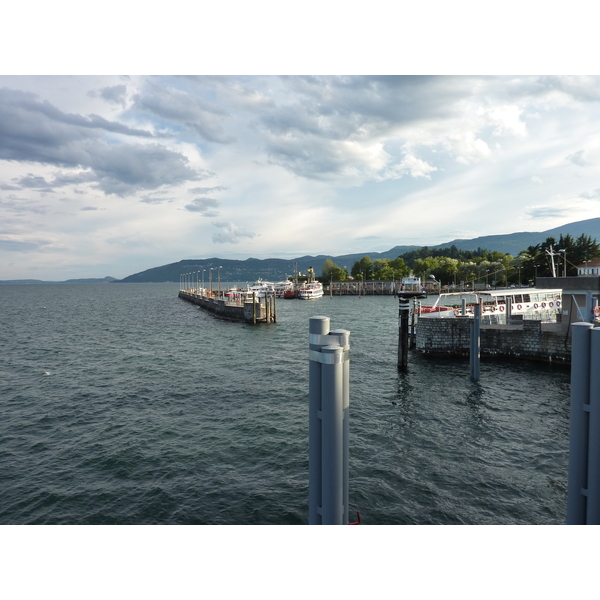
[[453, 266]]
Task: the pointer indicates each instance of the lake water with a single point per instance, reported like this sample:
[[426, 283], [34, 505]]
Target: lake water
[[122, 404]]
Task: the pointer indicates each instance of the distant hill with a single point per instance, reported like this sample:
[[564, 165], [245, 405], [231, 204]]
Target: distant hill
[[274, 269], [103, 280], [92, 280], [513, 243]]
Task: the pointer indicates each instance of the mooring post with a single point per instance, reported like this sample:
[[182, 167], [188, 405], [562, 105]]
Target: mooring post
[[593, 483], [413, 334], [403, 310], [577, 498], [475, 343], [329, 398]]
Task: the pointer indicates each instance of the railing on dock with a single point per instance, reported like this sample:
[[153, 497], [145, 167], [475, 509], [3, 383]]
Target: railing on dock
[[234, 305]]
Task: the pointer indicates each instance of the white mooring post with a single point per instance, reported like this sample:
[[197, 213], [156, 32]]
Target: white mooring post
[[583, 492], [328, 425]]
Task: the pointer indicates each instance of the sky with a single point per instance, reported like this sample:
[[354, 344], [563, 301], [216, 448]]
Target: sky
[[109, 175]]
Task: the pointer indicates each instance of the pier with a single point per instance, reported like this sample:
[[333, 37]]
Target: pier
[[233, 306]]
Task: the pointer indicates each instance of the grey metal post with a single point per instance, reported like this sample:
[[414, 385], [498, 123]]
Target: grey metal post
[[463, 310], [475, 343], [343, 340], [329, 397], [579, 424], [403, 309], [318, 327], [332, 443], [593, 467]]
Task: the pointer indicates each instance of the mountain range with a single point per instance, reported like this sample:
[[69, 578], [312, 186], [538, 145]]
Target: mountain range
[[274, 269]]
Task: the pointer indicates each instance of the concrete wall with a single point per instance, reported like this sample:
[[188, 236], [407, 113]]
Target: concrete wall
[[529, 339]]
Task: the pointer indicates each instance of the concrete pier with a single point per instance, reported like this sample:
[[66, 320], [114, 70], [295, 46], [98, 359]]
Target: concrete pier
[[249, 309]]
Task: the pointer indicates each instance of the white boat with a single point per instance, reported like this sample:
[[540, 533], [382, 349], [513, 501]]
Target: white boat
[[281, 287], [311, 291], [528, 303], [261, 288], [411, 284]]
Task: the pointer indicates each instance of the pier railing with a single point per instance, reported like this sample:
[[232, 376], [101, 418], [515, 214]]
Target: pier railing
[[247, 308]]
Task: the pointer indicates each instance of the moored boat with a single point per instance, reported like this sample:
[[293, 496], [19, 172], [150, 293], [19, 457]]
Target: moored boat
[[311, 291], [524, 303]]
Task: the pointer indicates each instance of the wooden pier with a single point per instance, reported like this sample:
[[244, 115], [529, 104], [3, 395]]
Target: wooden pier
[[241, 308]]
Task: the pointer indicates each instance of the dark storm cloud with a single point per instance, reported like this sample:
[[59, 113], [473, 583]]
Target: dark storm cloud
[[204, 206], [192, 112], [36, 131]]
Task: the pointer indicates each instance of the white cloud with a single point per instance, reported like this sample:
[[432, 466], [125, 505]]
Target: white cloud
[[135, 172]]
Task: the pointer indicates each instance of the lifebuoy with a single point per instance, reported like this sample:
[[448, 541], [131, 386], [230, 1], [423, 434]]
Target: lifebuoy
[[543, 305], [551, 304], [519, 306], [456, 312], [597, 311], [501, 308], [558, 303], [493, 309], [535, 306]]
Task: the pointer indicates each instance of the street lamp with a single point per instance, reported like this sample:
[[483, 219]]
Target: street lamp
[[219, 278], [564, 251]]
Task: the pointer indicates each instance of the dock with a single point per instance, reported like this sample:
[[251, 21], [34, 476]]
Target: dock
[[241, 308]]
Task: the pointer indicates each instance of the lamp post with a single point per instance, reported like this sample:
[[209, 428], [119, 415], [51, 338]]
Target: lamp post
[[210, 278], [564, 252], [203, 281], [219, 278]]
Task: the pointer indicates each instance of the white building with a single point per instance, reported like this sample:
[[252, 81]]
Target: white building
[[589, 268]]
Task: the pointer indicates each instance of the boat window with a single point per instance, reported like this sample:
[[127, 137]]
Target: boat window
[[526, 298], [518, 299]]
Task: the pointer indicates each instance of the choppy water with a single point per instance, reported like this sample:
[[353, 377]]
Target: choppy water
[[121, 403]]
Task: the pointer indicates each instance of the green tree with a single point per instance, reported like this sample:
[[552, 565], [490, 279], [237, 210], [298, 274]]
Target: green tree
[[363, 267], [331, 272]]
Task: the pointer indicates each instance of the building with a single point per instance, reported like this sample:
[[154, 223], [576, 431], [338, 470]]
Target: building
[[589, 268]]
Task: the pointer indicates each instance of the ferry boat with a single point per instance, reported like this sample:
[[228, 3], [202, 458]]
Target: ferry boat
[[528, 303], [410, 284], [261, 288], [311, 291], [282, 287]]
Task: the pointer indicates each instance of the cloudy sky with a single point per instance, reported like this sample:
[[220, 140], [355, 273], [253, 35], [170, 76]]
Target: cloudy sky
[[111, 175]]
